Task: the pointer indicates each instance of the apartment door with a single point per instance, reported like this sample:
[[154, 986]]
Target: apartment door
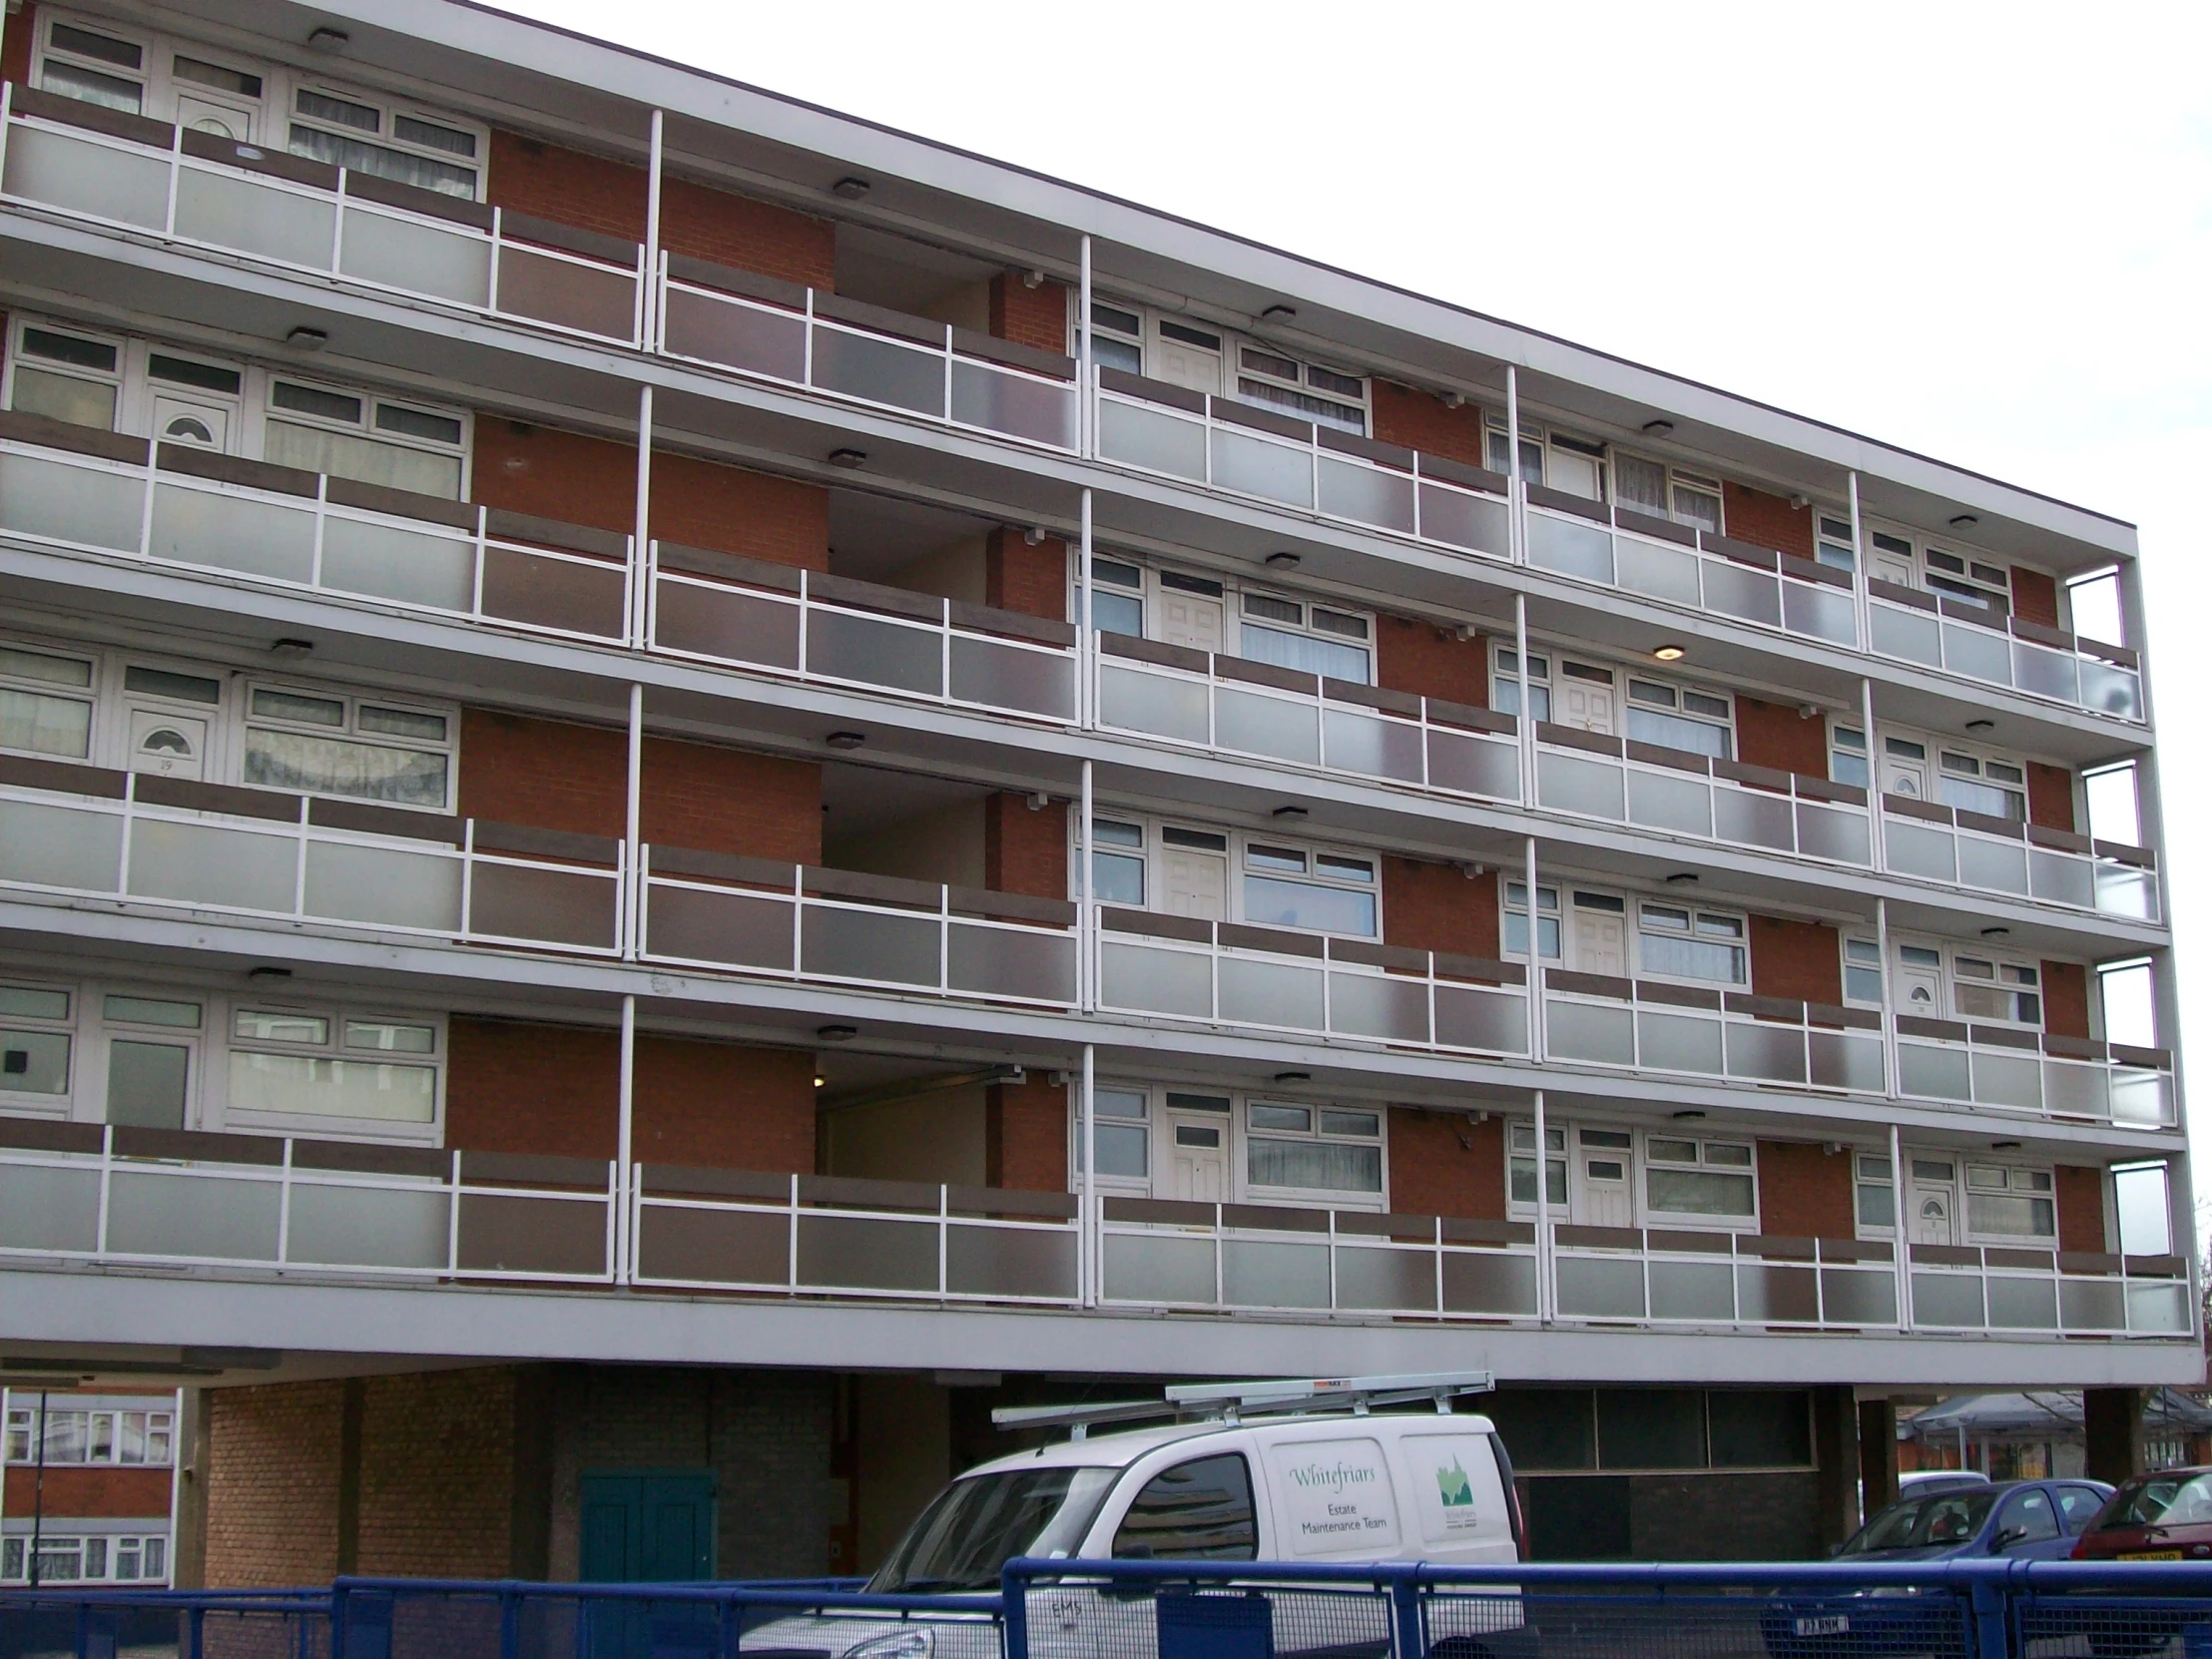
[[167, 744], [225, 117], [1186, 356], [197, 422], [1190, 617], [1604, 1165], [1582, 697], [1933, 1201], [153, 1052], [1600, 935], [1198, 1157], [647, 1527], [1904, 768], [1195, 879], [1917, 979]]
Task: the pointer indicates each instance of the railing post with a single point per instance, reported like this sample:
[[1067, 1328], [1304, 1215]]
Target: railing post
[[625, 1129], [1014, 1591], [1091, 1242], [284, 1207], [107, 1173], [944, 1229], [790, 1263], [1406, 1613]]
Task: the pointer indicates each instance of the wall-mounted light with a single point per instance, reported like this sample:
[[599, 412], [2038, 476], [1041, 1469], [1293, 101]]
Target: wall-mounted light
[[1670, 653], [1032, 278], [1034, 535], [1038, 801], [1452, 399], [845, 740], [1285, 559], [850, 460], [1798, 503], [850, 187]]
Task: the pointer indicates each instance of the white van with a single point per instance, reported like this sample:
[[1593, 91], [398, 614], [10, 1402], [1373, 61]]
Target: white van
[[1319, 1477]]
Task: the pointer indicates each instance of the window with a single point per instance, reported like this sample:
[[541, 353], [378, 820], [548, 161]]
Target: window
[[351, 434], [1117, 877], [1699, 1178], [99, 68], [2080, 1506], [2093, 607], [1326, 893], [1531, 449], [389, 140], [1835, 544], [37, 714], [1863, 972], [1314, 639], [35, 1043], [1677, 942], [1647, 487], [2027, 1516], [1323, 1149], [1987, 585], [1195, 1512], [65, 376], [221, 77], [1117, 598], [1516, 919], [1846, 756], [83, 1435], [1697, 501], [1575, 465], [1120, 1123], [2115, 811], [1877, 1195], [1975, 784], [1505, 685], [1673, 718], [324, 1063], [1305, 389], [1117, 337], [2010, 1203], [1520, 1164], [1985, 989], [117, 1558], [320, 743]]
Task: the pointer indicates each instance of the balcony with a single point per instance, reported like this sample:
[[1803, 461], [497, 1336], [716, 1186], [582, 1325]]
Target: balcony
[[164, 1198], [2023, 861]]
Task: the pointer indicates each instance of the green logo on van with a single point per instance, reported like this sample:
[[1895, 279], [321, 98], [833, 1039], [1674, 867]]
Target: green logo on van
[[1454, 1486]]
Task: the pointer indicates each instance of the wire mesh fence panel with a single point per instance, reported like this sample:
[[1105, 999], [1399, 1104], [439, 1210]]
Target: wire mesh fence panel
[[1164, 1620], [2111, 1625], [298, 1631], [1744, 1622]]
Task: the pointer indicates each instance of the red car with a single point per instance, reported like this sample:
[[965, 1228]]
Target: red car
[[2165, 1516]]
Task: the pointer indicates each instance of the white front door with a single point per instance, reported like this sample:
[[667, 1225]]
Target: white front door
[[150, 1080], [1603, 1196], [1905, 771], [1932, 1214], [1198, 1158], [197, 112], [1185, 361], [1575, 473], [168, 745], [1600, 942], [1918, 980], [1190, 619], [1584, 704], [1193, 884], [201, 424]]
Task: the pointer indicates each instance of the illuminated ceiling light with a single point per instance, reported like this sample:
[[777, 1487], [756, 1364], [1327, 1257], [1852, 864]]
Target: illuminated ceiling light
[[1670, 653]]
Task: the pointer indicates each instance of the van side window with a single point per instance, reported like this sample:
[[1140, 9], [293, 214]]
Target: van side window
[[1194, 1511]]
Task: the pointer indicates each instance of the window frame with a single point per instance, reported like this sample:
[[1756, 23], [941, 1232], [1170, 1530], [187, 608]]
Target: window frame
[[1311, 399], [249, 721], [266, 411], [1306, 626], [1165, 1099], [334, 1047], [43, 48], [1717, 1220], [87, 695], [116, 379], [391, 111], [67, 1026], [1680, 690], [1236, 849], [1694, 914], [1315, 1134], [1967, 1188]]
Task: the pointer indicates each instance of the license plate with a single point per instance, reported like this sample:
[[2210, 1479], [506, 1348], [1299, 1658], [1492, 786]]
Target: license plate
[[2151, 1555], [1826, 1624]]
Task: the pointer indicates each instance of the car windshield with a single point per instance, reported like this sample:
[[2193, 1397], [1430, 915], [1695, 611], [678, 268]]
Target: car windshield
[[1919, 1522], [2160, 1500], [975, 1526]]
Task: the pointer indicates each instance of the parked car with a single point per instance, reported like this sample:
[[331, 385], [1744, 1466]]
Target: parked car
[[1307, 1488], [2165, 1516], [1923, 1482], [2019, 1519]]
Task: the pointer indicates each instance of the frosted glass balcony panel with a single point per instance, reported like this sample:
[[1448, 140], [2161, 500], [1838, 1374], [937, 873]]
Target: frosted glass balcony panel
[[572, 595], [1599, 1290], [516, 1233], [1570, 547], [383, 561], [1734, 590], [1040, 410], [1366, 495], [2075, 1089], [855, 1253], [727, 624], [1474, 522], [2045, 673], [2007, 1079], [1844, 1060], [880, 370], [707, 924], [1144, 979], [1662, 572], [1002, 676], [2023, 1303], [233, 532], [81, 176], [1159, 1268], [2142, 1098], [1379, 1005], [60, 847], [743, 337], [1255, 466], [1010, 1262], [875, 651], [1977, 653], [2092, 1305], [1371, 747], [1270, 993], [1919, 850], [75, 504], [1136, 700], [2061, 878], [49, 1208], [233, 211], [207, 1217], [208, 864], [1911, 634], [2107, 690], [421, 258], [715, 1247], [1753, 818], [1950, 1301], [1492, 1022], [1766, 1053], [2159, 1309], [1151, 438], [1769, 1293], [1001, 961], [882, 946], [1999, 866], [1271, 726], [584, 298], [1835, 833], [1588, 1031], [1578, 784], [1482, 1283], [1928, 1073], [1473, 765], [1703, 1291], [1670, 801], [541, 905], [368, 1227], [1257, 1273], [1858, 1295], [1679, 1042], [1823, 612], [389, 887], [1373, 1278], [2123, 890]]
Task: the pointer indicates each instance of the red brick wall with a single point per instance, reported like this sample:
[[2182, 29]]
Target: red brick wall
[[85, 1492], [553, 1090], [2035, 597], [1026, 1136], [272, 1485], [1765, 520], [724, 1106], [1773, 734], [437, 1474], [1029, 316], [594, 481], [1421, 421], [2080, 1194], [2050, 797], [1805, 1190], [15, 48], [1428, 661], [1435, 907], [1025, 852], [594, 193], [1798, 959], [554, 775], [1031, 580], [2066, 999], [1443, 1165]]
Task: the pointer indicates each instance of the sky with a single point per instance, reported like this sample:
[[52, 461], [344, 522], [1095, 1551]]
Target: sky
[[1979, 232]]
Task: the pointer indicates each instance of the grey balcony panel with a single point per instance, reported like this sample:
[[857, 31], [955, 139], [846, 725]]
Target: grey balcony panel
[[1572, 784], [1372, 746], [507, 1233], [1141, 980], [2142, 1098], [1766, 1053], [1498, 1286], [60, 847], [2014, 1080], [368, 1227], [2091, 1306], [1472, 522], [715, 1247], [216, 1219], [1136, 700], [1254, 466], [1950, 1300], [870, 945], [587, 299], [1661, 801], [2023, 1303], [575, 597], [1270, 993], [1754, 819], [1676, 1042], [210, 863], [1917, 850], [1473, 765], [1013, 405], [230, 211], [743, 338], [1667, 573], [1152, 440], [1770, 1294], [1366, 495], [1578, 1031], [75, 504], [1382, 1279], [857, 1253], [1932, 1073], [411, 567], [59, 169], [1844, 1060], [728, 624], [2159, 1309], [1829, 833], [1380, 1006], [1751, 595], [1977, 653], [875, 653], [1703, 1291], [1600, 1289], [56, 1209], [995, 961], [1999, 866], [1571, 548], [232, 533], [1908, 635], [1265, 1273], [385, 886], [1006, 1261], [2111, 690], [451, 264], [1821, 612], [1858, 1295], [733, 928], [1159, 1268], [1273, 726], [1004, 677]]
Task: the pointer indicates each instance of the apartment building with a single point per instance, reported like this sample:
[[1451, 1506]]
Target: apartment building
[[687, 787], [87, 1486]]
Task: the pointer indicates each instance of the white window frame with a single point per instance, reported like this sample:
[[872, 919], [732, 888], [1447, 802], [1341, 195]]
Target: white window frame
[[1233, 593], [351, 731], [1981, 576], [1311, 391], [1550, 907], [335, 1046], [1235, 1113], [1520, 1150], [1680, 692], [1145, 1120], [1506, 680], [74, 1533], [1650, 1214], [116, 379], [1306, 625], [391, 111], [2011, 977], [43, 47], [158, 1411], [367, 429], [1315, 1134], [36, 1103], [87, 695], [1844, 751], [1872, 1172], [1697, 917], [1860, 955], [1235, 851], [1983, 758], [1832, 542], [2018, 1179]]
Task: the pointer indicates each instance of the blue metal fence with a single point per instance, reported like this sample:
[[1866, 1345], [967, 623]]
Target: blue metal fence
[[1181, 1610]]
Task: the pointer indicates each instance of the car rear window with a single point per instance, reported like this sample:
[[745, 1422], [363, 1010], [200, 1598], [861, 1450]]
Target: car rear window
[[2160, 1499]]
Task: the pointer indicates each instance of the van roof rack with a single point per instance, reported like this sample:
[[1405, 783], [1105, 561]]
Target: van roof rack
[[1231, 1402]]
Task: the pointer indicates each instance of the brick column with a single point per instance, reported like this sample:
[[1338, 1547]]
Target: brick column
[[2112, 1424], [1878, 1455], [1836, 1461]]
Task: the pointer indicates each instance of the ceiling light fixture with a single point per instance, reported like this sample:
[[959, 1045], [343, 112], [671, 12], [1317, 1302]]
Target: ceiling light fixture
[[2000, 932], [1290, 812], [291, 645], [1279, 314], [2005, 1146], [1294, 1077], [264, 974], [837, 1033], [305, 338], [1964, 521], [1983, 725], [850, 460], [1682, 878], [1689, 1114], [1285, 560], [850, 187], [1670, 653], [328, 39], [821, 1082], [845, 740], [1658, 428]]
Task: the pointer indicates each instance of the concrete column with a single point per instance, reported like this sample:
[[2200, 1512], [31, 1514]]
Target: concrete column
[[1835, 1462], [188, 1550], [1878, 1455], [351, 1412], [2112, 1424]]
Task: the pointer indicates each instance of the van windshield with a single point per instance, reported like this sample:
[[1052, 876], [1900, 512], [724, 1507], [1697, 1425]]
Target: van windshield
[[975, 1526]]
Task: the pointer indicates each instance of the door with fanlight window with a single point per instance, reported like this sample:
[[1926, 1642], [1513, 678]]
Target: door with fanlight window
[[1194, 874], [1918, 980], [1933, 1201], [1190, 612], [1198, 1155], [170, 719], [1603, 1194]]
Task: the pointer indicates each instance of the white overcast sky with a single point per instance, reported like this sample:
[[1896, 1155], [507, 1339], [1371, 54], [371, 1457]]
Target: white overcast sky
[[1982, 231]]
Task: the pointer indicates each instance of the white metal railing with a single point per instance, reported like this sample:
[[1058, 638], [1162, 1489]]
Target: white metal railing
[[805, 1235], [835, 926], [1663, 1276], [2016, 1070], [717, 608], [172, 1197], [2017, 859], [84, 832], [306, 535], [726, 320], [1653, 1027], [1268, 979], [195, 188], [2028, 1291], [1960, 638]]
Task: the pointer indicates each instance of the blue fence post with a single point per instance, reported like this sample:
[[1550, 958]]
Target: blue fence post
[[510, 1619], [1406, 1611], [1015, 1605], [194, 1623], [1990, 1605]]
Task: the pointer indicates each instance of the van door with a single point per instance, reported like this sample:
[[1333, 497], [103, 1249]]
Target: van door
[[1333, 1496], [1456, 1496]]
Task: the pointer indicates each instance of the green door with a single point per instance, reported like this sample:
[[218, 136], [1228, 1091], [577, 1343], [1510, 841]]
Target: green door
[[648, 1526]]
